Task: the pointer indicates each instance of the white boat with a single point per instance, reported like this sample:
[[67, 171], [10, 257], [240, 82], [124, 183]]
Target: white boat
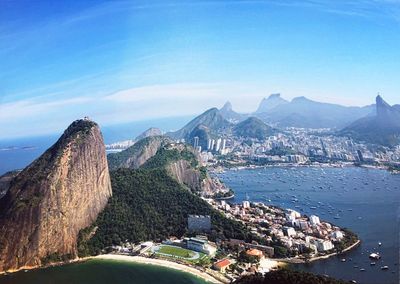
[[375, 255], [385, 267]]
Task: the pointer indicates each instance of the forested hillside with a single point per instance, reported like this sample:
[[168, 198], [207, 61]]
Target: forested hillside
[[148, 204]]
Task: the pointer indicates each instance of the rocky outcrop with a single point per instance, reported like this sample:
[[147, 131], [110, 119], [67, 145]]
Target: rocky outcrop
[[270, 103], [5, 181], [181, 161], [383, 128], [152, 131], [229, 114], [136, 155], [212, 119], [185, 174], [55, 197]]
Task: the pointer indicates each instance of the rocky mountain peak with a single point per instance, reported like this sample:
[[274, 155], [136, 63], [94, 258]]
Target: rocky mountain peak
[[227, 106], [52, 199], [267, 104], [274, 96], [382, 108], [152, 131]]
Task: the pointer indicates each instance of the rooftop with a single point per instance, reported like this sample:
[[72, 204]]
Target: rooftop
[[222, 263]]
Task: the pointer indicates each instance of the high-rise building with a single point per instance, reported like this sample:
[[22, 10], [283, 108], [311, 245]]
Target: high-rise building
[[223, 144], [196, 142], [212, 145], [218, 146], [360, 156]]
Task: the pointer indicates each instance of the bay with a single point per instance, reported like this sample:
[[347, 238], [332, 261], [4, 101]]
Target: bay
[[102, 272], [367, 201]]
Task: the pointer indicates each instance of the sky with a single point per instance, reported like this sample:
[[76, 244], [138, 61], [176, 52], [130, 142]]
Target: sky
[[121, 61]]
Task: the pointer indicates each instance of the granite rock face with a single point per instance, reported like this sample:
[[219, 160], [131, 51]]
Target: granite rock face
[[185, 174], [5, 181], [51, 200], [136, 155]]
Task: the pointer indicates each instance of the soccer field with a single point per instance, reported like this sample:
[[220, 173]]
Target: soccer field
[[176, 251]]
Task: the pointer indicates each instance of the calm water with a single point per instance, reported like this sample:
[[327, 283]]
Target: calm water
[[366, 200], [25, 150], [102, 271]]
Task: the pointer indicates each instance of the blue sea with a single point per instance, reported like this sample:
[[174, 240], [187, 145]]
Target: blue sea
[[18, 153], [367, 201], [102, 272]]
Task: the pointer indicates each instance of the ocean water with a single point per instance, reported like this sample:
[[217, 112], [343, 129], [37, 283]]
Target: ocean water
[[102, 272], [18, 153], [367, 201]]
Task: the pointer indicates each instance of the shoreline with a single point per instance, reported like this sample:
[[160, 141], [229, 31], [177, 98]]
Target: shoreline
[[313, 165], [303, 261], [160, 262], [136, 259]]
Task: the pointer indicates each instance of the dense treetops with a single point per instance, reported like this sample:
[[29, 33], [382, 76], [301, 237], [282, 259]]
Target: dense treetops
[[286, 276], [166, 156], [253, 128], [148, 204]]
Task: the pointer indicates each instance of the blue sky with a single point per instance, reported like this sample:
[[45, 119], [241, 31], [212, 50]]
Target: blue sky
[[123, 61]]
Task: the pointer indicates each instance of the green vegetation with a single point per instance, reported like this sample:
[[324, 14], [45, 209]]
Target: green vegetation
[[223, 195], [349, 239], [203, 173], [56, 257], [245, 258], [253, 128], [286, 276], [148, 204], [176, 251], [118, 160], [166, 156]]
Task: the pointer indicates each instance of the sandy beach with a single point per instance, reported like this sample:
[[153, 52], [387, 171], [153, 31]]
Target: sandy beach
[[160, 262]]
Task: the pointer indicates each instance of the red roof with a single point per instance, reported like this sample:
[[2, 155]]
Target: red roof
[[254, 252], [222, 263]]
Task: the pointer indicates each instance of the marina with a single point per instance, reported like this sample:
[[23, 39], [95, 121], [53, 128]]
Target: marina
[[331, 193]]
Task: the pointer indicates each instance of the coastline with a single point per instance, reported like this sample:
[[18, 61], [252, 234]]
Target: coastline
[[312, 165], [160, 262], [301, 261], [136, 259]]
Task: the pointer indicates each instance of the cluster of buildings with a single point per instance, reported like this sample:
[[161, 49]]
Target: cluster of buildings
[[299, 146], [214, 146], [297, 233], [119, 146]]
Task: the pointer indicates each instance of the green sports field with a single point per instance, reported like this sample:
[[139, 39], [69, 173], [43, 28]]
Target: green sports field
[[176, 251]]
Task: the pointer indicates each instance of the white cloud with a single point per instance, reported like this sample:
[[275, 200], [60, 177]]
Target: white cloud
[[24, 109]]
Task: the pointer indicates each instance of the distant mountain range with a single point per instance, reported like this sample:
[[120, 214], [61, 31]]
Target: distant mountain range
[[208, 124], [383, 128], [268, 104], [213, 123], [300, 112], [303, 112], [274, 113], [229, 114]]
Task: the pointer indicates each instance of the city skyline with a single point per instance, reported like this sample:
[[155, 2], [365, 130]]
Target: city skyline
[[125, 61]]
